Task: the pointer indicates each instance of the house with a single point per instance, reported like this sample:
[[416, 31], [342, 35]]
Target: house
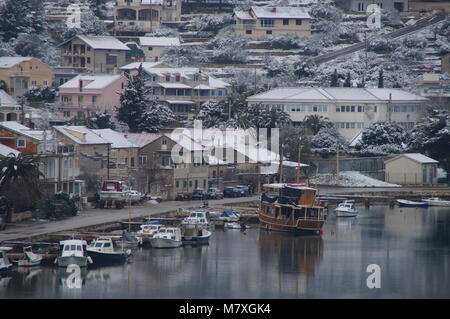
[[91, 151], [351, 109], [153, 47], [159, 174], [56, 160], [411, 169], [361, 5], [100, 54], [435, 87], [123, 156], [445, 63], [6, 151], [138, 17], [86, 94], [10, 110], [442, 6], [19, 74], [260, 22], [181, 89]]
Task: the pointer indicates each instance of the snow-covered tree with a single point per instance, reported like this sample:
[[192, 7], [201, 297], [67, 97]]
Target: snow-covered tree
[[90, 25], [334, 79], [380, 79], [36, 45], [209, 22], [133, 101], [326, 141], [15, 18], [382, 138], [100, 121], [212, 114], [154, 117], [432, 136], [228, 48], [38, 94], [314, 123]]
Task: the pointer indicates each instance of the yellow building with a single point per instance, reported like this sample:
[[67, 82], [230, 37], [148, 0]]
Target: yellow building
[[260, 22], [19, 74]]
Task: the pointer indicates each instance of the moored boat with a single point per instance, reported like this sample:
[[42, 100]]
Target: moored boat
[[291, 208], [103, 251], [436, 201], [73, 252], [195, 236], [30, 258], [235, 225], [5, 264], [197, 218], [167, 237], [410, 203], [346, 209], [147, 231]]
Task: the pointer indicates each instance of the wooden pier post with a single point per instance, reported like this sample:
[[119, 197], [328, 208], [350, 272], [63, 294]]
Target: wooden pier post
[[367, 202]]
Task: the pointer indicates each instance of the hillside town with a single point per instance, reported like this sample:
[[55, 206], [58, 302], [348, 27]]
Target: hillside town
[[213, 102]]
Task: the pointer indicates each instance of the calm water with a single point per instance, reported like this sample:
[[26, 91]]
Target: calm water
[[412, 247]]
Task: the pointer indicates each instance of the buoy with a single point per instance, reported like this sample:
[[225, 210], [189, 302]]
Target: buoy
[[321, 232], [245, 233]]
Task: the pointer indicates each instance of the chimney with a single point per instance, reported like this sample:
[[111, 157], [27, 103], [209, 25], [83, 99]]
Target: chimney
[[81, 85]]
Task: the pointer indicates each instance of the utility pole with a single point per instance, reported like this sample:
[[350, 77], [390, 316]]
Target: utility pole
[[107, 160], [337, 164], [281, 165], [297, 179], [389, 107]]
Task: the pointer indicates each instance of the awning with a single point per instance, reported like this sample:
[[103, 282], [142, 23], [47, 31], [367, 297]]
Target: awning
[[179, 102]]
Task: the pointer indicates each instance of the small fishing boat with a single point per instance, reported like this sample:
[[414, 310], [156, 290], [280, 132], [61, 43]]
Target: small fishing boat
[[346, 209], [167, 237], [30, 259], [197, 218], [410, 203], [73, 252], [147, 231], [195, 235], [436, 201], [103, 251], [235, 225], [5, 265], [129, 240]]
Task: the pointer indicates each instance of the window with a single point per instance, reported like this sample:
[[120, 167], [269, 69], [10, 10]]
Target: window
[[66, 113], [21, 143], [94, 99], [285, 21], [267, 23], [213, 92], [177, 184], [248, 31], [150, 48], [352, 108], [220, 93], [111, 59], [178, 78], [298, 22], [88, 60], [143, 160], [375, 108], [167, 78], [163, 141], [132, 161], [269, 32], [338, 109]]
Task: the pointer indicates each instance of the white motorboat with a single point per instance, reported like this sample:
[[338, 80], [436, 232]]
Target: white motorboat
[[30, 259], [195, 236], [197, 218], [436, 201], [167, 237], [147, 231], [73, 251], [346, 209], [5, 265], [235, 225], [103, 251]]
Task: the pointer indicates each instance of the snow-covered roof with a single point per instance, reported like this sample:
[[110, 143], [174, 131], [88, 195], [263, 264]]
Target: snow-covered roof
[[283, 185], [169, 85], [7, 101], [102, 42], [116, 139], [280, 13], [145, 65], [6, 150], [336, 94], [20, 129], [81, 135], [159, 41], [153, 2], [417, 157], [7, 62], [216, 83], [185, 141], [243, 15], [97, 81], [141, 139], [179, 102]]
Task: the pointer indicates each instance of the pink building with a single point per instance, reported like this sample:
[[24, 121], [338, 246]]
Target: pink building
[[86, 95]]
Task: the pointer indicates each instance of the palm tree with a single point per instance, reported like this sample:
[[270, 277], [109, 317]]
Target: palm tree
[[19, 180], [315, 122]]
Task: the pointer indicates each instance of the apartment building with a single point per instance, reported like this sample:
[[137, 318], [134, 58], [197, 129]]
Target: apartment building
[[99, 54], [85, 95], [361, 5], [19, 74], [260, 22], [351, 109], [435, 87], [138, 17]]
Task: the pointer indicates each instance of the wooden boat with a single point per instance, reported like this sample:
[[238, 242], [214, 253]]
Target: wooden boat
[[5, 265], [410, 203], [72, 252], [30, 260], [346, 209], [436, 201], [103, 251], [291, 208]]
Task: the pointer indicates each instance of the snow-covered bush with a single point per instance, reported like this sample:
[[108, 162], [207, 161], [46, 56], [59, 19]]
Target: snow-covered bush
[[212, 113], [155, 117], [38, 94], [391, 18], [228, 48], [326, 141], [381, 44], [163, 31], [326, 12], [182, 56], [382, 138], [214, 23]]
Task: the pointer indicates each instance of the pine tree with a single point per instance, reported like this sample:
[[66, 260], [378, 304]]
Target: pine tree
[[348, 81], [155, 117], [133, 101], [381, 79], [15, 18], [334, 79]]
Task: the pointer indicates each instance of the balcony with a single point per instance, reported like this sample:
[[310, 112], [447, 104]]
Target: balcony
[[19, 74]]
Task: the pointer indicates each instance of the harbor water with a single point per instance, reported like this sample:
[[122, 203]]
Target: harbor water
[[410, 245]]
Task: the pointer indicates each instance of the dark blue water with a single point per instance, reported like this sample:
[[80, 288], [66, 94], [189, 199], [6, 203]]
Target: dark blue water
[[411, 246]]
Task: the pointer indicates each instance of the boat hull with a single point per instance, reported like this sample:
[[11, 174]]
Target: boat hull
[[412, 204], [107, 258], [308, 226], [439, 203], [164, 243], [28, 263], [345, 213], [197, 240], [71, 260]]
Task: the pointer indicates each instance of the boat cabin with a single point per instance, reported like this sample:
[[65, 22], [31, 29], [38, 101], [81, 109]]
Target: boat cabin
[[169, 233], [4, 261], [149, 228], [347, 205], [73, 247], [197, 217], [103, 244], [114, 186]]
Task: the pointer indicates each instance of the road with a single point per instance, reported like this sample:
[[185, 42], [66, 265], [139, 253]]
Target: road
[[93, 217], [423, 23]]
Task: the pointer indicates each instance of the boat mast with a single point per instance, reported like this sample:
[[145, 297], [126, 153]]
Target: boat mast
[[281, 165], [297, 179]]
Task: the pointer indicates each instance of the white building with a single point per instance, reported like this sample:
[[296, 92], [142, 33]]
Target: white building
[[153, 47], [411, 169], [351, 109]]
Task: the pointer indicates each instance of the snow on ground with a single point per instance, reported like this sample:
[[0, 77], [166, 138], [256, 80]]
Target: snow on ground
[[349, 179]]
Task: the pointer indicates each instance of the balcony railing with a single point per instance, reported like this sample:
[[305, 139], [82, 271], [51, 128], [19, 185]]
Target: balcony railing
[[19, 74]]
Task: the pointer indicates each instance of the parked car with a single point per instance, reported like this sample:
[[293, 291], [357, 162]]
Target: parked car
[[230, 191], [214, 193], [199, 193], [243, 190], [183, 196], [2, 222]]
